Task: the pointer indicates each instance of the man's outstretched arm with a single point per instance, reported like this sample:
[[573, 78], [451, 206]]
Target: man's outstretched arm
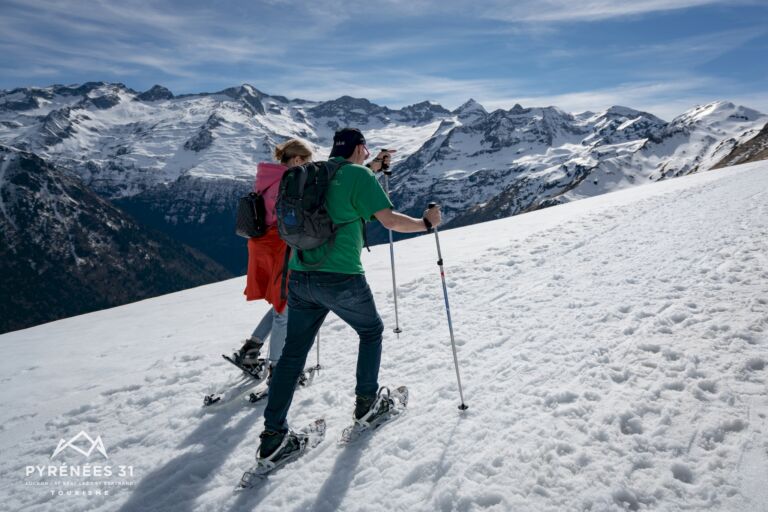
[[402, 223]]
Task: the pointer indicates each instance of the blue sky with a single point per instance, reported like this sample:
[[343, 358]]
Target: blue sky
[[663, 56]]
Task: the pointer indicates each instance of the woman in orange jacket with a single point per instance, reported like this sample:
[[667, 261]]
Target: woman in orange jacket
[[266, 256]]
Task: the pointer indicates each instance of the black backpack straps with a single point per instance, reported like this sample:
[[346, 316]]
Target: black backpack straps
[[302, 177], [284, 279], [365, 235], [332, 167]]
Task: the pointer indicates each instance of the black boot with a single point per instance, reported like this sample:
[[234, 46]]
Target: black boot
[[363, 405], [370, 408], [277, 445], [248, 355]]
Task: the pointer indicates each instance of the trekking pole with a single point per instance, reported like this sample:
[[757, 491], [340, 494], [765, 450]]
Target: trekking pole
[[397, 330], [463, 406], [317, 366]]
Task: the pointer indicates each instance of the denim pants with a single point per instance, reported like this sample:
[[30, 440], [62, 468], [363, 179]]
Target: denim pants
[[273, 324], [311, 295]]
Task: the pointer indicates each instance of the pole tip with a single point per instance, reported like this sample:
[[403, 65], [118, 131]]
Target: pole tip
[[463, 407], [397, 330]]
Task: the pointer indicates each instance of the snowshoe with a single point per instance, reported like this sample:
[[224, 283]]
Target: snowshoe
[[372, 412], [275, 451]]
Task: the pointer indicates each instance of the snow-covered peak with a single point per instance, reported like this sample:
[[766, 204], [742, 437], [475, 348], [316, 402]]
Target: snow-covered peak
[[241, 91], [717, 112], [347, 106], [156, 93], [618, 110], [427, 105], [620, 124], [470, 111], [629, 113], [107, 96]]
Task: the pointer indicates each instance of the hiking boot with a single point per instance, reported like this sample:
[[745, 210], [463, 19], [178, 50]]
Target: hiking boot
[[248, 355], [370, 408], [363, 405], [277, 445]]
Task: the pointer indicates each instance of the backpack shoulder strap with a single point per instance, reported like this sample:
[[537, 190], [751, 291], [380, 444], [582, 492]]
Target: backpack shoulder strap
[[365, 235], [284, 275], [332, 167]]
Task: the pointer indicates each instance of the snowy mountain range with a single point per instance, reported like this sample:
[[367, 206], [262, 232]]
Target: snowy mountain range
[[177, 164], [486, 166], [613, 355]]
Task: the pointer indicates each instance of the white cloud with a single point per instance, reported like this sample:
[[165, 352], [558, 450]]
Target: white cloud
[[269, 44], [130, 32], [586, 10]]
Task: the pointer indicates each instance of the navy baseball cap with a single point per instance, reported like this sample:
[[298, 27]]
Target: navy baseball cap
[[345, 141]]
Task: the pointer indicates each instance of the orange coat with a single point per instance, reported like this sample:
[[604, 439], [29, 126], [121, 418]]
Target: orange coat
[[266, 256]]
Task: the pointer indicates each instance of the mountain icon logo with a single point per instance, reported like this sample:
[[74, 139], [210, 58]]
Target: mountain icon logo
[[96, 444]]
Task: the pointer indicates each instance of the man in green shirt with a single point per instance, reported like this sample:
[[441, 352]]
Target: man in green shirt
[[338, 284]]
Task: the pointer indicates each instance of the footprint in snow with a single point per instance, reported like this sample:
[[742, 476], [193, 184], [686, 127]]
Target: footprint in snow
[[712, 437], [124, 389], [682, 473], [620, 377], [674, 385], [650, 347], [629, 424], [563, 397]]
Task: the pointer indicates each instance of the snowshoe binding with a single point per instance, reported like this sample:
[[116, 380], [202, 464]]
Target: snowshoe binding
[[372, 412]]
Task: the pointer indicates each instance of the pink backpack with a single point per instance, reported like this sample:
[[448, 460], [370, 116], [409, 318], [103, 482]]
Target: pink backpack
[[268, 185]]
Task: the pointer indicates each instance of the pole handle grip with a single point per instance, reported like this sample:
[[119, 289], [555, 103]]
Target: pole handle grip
[[431, 205]]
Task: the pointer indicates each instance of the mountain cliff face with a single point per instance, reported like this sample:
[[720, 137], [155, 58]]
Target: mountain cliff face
[[178, 162], [66, 251], [752, 150]]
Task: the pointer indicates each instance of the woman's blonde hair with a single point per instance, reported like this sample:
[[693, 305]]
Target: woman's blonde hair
[[291, 148]]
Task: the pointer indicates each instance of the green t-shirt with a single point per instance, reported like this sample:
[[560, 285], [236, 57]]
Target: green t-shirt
[[353, 194]]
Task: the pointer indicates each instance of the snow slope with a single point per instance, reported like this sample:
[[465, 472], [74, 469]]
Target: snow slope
[[613, 354]]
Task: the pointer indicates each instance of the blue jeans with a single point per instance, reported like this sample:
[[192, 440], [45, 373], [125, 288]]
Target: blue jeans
[[273, 324], [311, 295]]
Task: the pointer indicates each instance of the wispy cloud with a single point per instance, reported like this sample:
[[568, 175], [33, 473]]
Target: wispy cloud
[[691, 50], [133, 32], [393, 52], [587, 10]]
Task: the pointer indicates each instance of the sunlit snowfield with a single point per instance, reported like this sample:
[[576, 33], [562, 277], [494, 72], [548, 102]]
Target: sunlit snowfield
[[613, 354]]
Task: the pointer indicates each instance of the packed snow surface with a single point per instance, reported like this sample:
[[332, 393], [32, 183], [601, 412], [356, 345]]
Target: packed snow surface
[[612, 351]]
